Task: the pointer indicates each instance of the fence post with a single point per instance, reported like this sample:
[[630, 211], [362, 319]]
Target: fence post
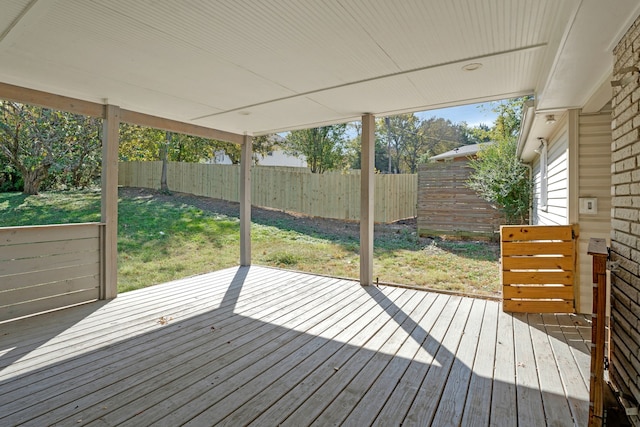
[[598, 249]]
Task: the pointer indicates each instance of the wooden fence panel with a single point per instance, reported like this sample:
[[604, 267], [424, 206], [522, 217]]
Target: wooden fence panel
[[446, 206], [48, 267], [329, 195], [538, 268]]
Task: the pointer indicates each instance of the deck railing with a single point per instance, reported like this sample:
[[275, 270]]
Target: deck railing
[[538, 268], [48, 267]]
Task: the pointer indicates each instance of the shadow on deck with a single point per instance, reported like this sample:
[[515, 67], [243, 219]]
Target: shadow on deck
[[267, 347]]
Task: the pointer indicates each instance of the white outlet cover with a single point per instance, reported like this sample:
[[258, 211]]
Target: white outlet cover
[[588, 205]]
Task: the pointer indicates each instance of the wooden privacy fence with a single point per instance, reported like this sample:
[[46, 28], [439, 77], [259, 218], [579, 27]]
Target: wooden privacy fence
[[328, 195], [447, 206], [538, 268], [48, 267]]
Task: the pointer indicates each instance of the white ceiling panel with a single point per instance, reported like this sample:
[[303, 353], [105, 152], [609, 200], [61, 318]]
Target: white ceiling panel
[[272, 118], [292, 63], [11, 10]]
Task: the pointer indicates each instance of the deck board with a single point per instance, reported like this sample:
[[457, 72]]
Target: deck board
[[263, 346], [400, 401], [503, 398], [451, 407], [529, 396], [477, 408], [427, 399], [556, 409], [574, 383]]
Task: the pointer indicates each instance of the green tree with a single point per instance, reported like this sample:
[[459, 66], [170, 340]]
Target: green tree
[[82, 163], [475, 135], [413, 141], [498, 175], [440, 135], [39, 141], [265, 144], [323, 147], [10, 179], [507, 124], [139, 143], [404, 140], [353, 150]]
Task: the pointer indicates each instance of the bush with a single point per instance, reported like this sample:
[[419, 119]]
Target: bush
[[501, 179]]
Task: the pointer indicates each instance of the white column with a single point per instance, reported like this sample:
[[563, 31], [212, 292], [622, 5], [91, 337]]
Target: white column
[[245, 201], [109, 201], [367, 199]]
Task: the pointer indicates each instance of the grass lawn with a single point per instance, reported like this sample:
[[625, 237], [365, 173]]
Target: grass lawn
[[161, 238]]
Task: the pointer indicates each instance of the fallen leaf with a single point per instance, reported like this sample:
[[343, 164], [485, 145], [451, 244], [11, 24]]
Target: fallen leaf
[[164, 320]]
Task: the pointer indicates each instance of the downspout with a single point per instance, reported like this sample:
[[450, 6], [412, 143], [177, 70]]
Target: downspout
[[530, 168], [526, 121]]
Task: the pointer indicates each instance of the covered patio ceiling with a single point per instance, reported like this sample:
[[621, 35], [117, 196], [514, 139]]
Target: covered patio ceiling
[[261, 66]]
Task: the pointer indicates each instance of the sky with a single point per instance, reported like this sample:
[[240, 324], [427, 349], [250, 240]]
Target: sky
[[473, 114]]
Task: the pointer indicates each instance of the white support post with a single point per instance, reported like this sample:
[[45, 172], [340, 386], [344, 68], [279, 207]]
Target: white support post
[[367, 199], [245, 201], [109, 202]]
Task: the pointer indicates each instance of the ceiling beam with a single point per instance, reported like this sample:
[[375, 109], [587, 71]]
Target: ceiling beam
[[50, 100], [94, 109], [179, 127]]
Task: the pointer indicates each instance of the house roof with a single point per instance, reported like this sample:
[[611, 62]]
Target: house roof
[[261, 66], [463, 151]]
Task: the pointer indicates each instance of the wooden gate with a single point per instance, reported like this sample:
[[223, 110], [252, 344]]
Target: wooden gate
[[538, 268]]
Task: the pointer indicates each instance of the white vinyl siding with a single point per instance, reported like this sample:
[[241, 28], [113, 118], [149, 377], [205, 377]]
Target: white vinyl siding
[[556, 210], [594, 181], [594, 169]]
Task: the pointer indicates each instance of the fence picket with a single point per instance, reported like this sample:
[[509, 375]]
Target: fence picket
[[330, 195]]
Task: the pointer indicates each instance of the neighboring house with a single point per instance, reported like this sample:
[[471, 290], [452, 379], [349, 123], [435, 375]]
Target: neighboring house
[[462, 153], [278, 157], [220, 157]]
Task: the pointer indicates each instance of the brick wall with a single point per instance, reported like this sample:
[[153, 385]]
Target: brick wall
[[625, 233]]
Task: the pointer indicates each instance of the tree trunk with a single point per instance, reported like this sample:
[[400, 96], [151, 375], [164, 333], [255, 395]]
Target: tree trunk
[[163, 156], [32, 180]]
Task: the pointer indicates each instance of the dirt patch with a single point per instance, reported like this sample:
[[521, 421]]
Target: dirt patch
[[402, 257], [302, 223]]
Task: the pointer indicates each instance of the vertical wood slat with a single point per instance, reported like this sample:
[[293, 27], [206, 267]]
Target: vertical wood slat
[[598, 250], [538, 268], [330, 195]]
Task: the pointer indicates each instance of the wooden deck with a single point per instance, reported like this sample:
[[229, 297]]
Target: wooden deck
[[262, 346]]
